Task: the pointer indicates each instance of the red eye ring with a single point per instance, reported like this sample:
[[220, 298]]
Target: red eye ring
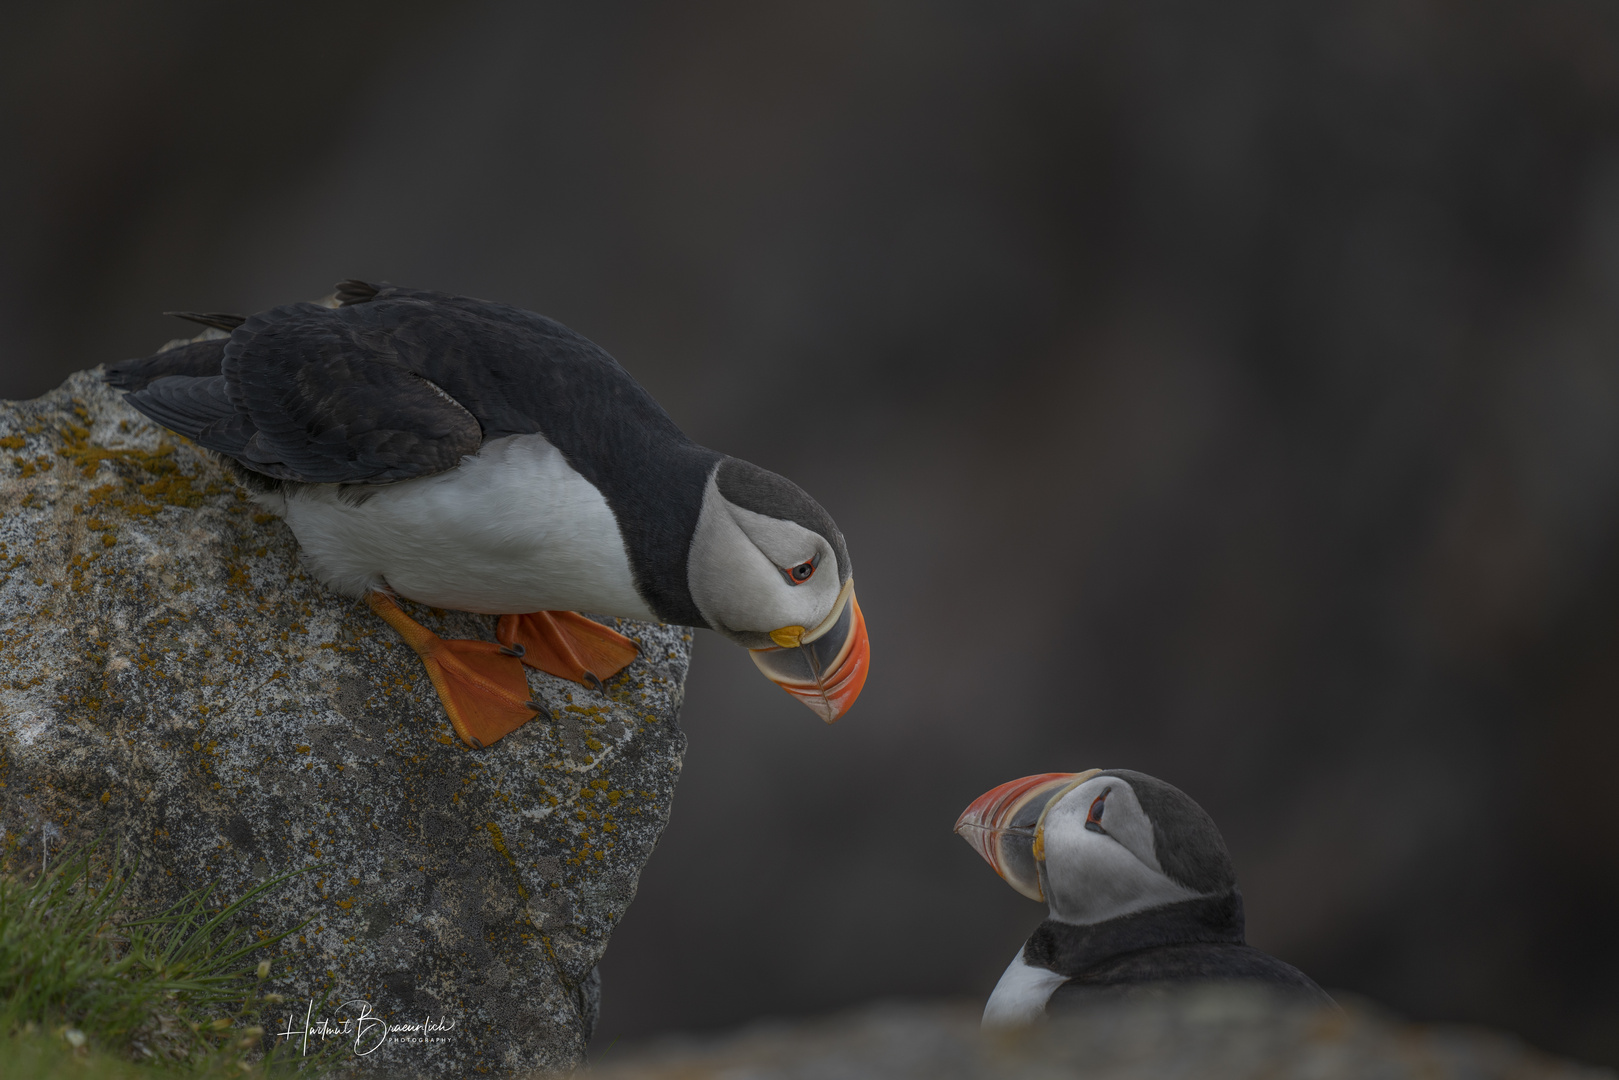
[[1093, 818], [801, 573]]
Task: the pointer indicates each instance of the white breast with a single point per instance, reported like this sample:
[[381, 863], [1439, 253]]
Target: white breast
[[512, 529], [1021, 995]]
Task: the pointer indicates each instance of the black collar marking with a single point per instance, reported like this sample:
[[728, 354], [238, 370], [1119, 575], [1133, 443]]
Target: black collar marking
[[1070, 950]]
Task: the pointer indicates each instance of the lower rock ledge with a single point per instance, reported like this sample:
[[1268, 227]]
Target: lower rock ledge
[[1210, 1033]]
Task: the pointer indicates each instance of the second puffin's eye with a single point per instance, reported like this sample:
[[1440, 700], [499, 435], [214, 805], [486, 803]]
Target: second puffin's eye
[[802, 572], [1093, 820]]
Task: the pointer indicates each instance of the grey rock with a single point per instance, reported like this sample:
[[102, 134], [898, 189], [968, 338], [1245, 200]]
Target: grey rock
[[1204, 1034], [170, 676]]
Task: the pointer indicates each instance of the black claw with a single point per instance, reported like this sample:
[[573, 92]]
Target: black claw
[[476, 745], [534, 703], [590, 676], [514, 649]]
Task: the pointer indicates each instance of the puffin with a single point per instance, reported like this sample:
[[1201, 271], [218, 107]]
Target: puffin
[[1140, 892], [474, 456]]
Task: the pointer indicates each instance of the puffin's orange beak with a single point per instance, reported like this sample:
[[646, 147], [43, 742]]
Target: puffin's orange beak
[[1002, 826], [827, 667]]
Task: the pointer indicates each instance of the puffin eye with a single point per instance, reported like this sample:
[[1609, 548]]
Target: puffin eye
[[802, 572], [1093, 820]]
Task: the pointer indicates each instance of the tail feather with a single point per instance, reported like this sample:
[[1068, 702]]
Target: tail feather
[[199, 359], [220, 320], [200, 409]]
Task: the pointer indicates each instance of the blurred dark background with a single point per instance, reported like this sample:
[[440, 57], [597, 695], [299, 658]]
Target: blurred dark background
[[1226, 391]]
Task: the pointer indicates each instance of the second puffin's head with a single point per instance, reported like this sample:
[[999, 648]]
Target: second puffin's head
[[768, 569], [1098, 844]]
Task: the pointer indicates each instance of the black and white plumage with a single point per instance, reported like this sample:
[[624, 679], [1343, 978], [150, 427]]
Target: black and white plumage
[[475, 456], [1140, 888]]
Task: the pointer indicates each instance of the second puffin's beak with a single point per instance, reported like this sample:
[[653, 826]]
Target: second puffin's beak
[[825, 667], [1003, 825]]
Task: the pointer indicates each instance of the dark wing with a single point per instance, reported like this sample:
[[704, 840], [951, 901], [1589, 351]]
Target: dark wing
[[304, 394], [396, 383]]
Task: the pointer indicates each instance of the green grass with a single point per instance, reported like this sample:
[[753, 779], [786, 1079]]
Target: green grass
[[90, 989]]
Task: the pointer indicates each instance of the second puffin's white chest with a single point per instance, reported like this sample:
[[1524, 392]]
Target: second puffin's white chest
[[512, 529], [1021, 995]]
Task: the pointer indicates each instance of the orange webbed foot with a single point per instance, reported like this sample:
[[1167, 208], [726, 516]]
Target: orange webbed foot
[[567, 645], [481, 685]]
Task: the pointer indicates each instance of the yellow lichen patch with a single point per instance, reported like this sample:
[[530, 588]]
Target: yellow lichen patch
[[498, 840], [13, 442], [168, 484], [237, 577], [173, 491]]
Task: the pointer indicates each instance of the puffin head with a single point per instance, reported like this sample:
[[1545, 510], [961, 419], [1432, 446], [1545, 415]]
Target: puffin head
[[768, 569], [1099, 844]]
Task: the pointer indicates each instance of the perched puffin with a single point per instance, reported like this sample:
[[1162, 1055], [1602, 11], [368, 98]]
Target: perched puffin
[[1139, 885], [475, 456]]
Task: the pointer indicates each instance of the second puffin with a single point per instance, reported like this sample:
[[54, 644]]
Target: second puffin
[[475, 456]]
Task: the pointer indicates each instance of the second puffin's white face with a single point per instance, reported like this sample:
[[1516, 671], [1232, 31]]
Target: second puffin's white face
[[751, 574], [1100, 861]]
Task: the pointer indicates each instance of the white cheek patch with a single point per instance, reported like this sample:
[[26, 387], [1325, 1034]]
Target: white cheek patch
[[1107, 881], [784, 543], [734, 570], [1126, 821], [1092, 877]]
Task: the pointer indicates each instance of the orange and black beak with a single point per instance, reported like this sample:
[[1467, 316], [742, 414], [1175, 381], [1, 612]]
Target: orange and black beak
[[1003, 825], [824, 667]]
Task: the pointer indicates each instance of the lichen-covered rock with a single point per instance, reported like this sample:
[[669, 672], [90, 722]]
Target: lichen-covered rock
[[171, 677]]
